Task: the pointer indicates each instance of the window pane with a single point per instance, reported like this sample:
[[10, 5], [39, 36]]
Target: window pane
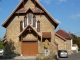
[[25, 21], [29, 18], [34, 21], [38, 26], [21, 26]]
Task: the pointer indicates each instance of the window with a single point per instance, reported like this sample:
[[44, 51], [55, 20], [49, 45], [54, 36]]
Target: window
[[21, 26], [29, 18], [34, 21], [25, 21], [38, 26]]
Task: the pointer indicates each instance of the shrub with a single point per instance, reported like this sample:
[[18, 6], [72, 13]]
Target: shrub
[[1, 45], [79, 49]]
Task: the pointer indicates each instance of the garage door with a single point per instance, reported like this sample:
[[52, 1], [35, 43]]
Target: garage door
[[29, 48]]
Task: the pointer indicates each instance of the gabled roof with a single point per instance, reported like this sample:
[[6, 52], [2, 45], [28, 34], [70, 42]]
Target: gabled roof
[[60, 37], [5, 23], [26, 29], [64, 34], [34, 10]]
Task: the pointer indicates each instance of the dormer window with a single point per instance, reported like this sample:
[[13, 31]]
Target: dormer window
[[38, 26], [25, 21], [29, 18], [21, 26], [34, 21]]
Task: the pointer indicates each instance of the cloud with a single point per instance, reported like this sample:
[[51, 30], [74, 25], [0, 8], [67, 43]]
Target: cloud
[[1, 9], [19, 0], [53, 1], [62, 0], [46, 1], [75, 16], [58, 21]]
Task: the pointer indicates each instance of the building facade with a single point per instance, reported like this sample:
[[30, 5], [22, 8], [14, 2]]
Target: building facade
[[30, 30], [68, 40]]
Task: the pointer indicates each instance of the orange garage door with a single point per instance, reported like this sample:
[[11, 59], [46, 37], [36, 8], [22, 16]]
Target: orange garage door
[[29, 48]]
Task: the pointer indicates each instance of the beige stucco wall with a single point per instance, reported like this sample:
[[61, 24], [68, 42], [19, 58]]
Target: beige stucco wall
[[61, 43], [68, 46], [13, 30], [12, 33]]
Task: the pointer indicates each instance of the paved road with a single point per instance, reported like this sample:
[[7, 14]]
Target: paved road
[[1, 57], [72, 57]]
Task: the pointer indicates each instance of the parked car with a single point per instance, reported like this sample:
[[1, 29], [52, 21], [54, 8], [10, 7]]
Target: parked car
[[62, 54], [1, 52]]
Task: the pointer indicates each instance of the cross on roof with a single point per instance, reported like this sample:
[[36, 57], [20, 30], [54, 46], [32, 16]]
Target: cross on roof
[[29, 29]]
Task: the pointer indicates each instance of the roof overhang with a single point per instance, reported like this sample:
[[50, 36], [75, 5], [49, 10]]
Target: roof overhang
[[28, 28], [46, 34], [60, 36]]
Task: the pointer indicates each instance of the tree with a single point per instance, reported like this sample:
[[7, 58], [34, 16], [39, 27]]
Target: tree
[[0, 39], [1, 45], [4, 36], [76, 40]]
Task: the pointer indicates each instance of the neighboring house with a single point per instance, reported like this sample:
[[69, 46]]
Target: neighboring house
[[60, 41], [75, 48], [68, 39], [30, 30]]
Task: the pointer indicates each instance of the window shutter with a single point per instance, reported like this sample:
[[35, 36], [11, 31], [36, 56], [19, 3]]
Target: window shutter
[[25, 21], [38, 26], [34, 21], [21, 26]]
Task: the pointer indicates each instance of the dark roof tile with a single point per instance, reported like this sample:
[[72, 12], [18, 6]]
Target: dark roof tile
[[64, 34]]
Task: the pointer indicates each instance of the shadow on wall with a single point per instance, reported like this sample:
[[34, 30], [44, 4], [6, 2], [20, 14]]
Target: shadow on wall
[[9, 50]]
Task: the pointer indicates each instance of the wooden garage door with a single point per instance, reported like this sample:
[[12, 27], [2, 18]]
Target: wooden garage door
[[29, 48]]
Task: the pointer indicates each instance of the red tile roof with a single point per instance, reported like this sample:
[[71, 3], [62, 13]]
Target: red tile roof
[[60, 37], [64, 34], [22, 10], [34, 10]]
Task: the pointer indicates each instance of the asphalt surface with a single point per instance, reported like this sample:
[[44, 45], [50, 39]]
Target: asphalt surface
[[70, 57]]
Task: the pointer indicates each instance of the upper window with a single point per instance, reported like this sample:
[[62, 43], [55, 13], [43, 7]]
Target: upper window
[[38, 26], [25, 21], [34, 21], [21, 26], [29, 18]]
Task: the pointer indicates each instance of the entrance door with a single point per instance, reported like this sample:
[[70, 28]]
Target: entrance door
[[29, 48]]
